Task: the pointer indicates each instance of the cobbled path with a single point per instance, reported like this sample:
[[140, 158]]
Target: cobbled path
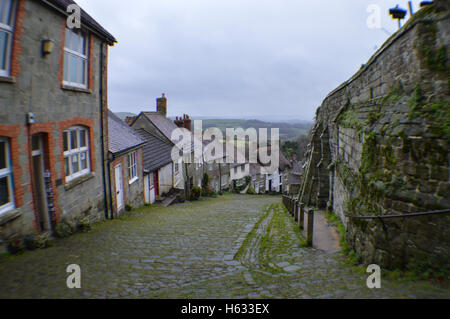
[[230, 247]]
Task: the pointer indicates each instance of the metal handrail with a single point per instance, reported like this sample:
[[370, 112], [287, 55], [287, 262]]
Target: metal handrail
[[434, 212]]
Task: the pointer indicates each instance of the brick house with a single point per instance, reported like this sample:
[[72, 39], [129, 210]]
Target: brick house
[[53, 117], [125, 165]]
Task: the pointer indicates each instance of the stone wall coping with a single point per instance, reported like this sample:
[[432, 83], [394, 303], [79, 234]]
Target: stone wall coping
[[383, 48]]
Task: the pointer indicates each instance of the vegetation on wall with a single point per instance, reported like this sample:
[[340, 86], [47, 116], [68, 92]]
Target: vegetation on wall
[[238, 189]]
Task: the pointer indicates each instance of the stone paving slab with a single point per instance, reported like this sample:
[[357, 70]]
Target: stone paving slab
[[185, 251]]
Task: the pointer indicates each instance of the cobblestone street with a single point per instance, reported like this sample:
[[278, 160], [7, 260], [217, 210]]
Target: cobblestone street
[[228, 247]]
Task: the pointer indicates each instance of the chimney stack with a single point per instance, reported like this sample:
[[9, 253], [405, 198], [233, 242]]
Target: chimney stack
[[161, 105], [183, 122], [130, 119], [187, 122], [179, 122]]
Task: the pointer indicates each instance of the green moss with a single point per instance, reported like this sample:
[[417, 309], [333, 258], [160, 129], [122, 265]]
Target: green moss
[[369, 157], [389, 156], [436, 113], [393, 96]]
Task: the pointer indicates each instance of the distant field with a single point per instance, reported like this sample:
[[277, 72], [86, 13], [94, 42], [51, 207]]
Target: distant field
[[288, 131]]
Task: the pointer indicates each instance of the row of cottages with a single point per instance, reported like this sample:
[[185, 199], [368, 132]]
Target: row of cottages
[[256, 176], [53, 118], [168, 180]]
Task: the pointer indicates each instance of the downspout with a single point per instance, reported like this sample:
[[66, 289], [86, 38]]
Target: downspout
[[102, 135]]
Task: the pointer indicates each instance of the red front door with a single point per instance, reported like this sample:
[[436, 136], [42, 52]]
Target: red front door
[[156, 183]]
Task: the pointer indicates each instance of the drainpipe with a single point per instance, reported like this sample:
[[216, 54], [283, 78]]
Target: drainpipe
[[110, 193], [102, 136]]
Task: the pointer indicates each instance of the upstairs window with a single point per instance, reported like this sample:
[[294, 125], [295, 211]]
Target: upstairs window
[[76, 59], [6, 35], [76, 152], [6, 178], [132, 167]]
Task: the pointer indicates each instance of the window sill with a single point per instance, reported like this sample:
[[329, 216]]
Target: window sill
[[8, 79], [80, 180], [9, 216], [75, 89], [132, 181]]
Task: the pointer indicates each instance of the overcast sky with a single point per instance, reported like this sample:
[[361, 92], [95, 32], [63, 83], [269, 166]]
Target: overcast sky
[[236, 58]]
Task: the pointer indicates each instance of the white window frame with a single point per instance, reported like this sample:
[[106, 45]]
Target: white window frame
[[68, 52], [77, 151], [8, 173], [9, 29], [132, 167]]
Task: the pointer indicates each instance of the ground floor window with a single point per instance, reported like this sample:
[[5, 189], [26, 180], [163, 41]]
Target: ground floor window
[[76, 152], [132, 167], [6, 177]]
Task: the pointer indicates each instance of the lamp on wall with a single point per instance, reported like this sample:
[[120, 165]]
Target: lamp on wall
[[47, 46]]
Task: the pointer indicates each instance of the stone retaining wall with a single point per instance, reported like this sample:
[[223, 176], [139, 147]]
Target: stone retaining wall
[[380, 147]]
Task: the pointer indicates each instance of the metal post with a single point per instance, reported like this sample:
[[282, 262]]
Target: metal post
[[309, 232], [296, 211], [301, 219], [292, 207]]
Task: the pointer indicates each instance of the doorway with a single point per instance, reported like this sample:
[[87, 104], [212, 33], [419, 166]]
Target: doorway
[[119, 187], [39, 169]]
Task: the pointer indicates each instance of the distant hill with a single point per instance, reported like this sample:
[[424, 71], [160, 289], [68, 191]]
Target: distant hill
[[288, 131]]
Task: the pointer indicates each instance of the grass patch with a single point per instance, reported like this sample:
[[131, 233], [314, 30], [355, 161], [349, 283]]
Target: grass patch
[[352, 258]]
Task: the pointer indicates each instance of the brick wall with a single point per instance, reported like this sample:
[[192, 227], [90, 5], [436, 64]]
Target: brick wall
[[18, 31]]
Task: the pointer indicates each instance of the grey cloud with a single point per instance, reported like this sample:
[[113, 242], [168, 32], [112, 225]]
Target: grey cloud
[[235, 58]]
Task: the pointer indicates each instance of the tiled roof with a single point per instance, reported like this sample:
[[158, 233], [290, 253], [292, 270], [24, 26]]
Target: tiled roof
[[86, 19], [166, 126], [121, 136], [157, 152]]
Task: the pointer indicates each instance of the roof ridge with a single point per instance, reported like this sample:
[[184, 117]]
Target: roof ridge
[[165, 140]]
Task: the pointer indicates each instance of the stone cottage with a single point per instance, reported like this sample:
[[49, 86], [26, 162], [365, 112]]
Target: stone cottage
[[295, 177], [161, 172], [53, 117], [125, 166], [160, 125]]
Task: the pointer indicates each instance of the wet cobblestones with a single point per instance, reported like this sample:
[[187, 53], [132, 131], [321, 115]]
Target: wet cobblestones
[[229, 247]]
